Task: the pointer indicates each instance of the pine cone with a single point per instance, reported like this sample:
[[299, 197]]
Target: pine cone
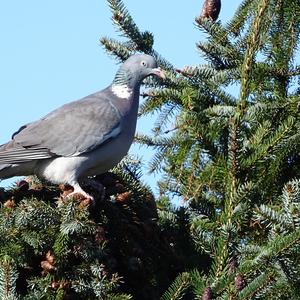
[[210, 10], [123, 197], [48, 264], [63, 284], [233, 264], [240, 282], [207, 295], [55, 285], [10, 203]]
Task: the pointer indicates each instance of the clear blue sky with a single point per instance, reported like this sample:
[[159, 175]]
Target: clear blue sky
[[50, 52]]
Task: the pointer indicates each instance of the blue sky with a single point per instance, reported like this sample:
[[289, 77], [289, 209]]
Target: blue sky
[[50, 52]]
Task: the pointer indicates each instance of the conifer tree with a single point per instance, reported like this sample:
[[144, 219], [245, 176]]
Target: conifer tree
[[233, 157], [227, 144], [54, 247]]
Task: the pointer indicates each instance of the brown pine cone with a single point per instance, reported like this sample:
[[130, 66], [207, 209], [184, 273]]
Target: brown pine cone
[[210, 10]]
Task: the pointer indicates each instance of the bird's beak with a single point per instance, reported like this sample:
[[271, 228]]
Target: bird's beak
[[159, 73]]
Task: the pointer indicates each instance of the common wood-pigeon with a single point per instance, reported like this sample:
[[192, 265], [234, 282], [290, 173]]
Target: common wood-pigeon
[[83, 138]]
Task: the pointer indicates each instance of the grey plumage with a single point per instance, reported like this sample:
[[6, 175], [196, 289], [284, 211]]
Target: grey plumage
[[85, 137]]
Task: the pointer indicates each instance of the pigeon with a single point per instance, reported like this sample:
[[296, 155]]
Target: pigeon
[[82, 138]]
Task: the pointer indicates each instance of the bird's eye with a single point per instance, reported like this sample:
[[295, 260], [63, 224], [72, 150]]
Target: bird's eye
[[144, 64]]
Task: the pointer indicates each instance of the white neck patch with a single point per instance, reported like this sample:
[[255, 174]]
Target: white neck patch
[[121, 90]]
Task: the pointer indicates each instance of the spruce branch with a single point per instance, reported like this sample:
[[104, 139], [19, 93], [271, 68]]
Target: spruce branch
[[178, 287], [124, 22], [8, 279], [252, 47], [255, 286]]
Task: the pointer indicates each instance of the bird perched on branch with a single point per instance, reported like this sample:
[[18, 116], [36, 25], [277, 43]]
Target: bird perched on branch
[[83, 138], [210, 10]]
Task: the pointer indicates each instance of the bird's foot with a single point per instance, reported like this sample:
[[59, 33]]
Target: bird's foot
[[79, 194]]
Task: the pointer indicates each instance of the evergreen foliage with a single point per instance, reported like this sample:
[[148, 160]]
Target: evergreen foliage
[[226, 142], [227, 145], [54, 247]]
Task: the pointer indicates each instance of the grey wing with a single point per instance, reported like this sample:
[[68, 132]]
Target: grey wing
[[73, 129]]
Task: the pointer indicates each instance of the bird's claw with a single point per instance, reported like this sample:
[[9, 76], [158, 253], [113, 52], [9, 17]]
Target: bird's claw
[[76, 192]]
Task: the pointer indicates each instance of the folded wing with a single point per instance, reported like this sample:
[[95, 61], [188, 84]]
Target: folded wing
[[73, 129]]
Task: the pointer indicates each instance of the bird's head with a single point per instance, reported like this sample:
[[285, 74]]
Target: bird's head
[[136, 68], [142, 66]]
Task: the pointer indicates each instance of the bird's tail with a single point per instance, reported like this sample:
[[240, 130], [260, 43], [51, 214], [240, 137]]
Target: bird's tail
[[12, 162]]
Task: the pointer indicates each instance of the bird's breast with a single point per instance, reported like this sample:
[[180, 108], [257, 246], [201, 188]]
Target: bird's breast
[[110, 154]]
